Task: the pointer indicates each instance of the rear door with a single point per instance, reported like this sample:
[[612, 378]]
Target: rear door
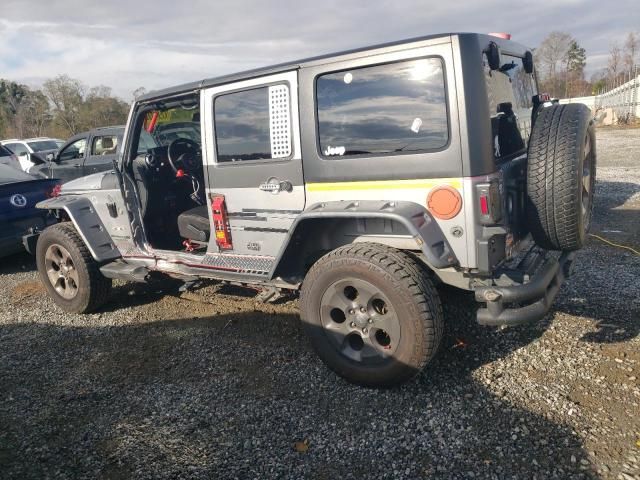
[[251, 137]]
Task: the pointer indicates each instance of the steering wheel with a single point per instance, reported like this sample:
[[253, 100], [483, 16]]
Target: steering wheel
[[186, 153]]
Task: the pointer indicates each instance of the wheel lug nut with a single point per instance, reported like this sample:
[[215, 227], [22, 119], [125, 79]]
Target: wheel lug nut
[[352, 311], [370, 320], [363, 310], [353, 324], [365, 330]]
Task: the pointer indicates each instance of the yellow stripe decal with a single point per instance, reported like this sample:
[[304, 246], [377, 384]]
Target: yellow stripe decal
[[384, 185]]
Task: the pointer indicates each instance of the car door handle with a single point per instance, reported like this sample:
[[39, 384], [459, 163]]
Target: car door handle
[[274, 186]]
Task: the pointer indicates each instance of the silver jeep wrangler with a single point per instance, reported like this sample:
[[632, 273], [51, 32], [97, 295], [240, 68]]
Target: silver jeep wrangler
[[362, 180]]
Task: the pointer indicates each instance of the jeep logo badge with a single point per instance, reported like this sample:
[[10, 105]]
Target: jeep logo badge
[[18, 200]]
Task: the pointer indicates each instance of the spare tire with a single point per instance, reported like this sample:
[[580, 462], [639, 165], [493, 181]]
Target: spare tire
[[561, 176]]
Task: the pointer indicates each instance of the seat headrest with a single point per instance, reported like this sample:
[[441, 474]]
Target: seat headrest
[[107, 142]]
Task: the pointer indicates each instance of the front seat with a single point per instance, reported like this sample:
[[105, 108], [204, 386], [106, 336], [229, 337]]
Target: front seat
[[194, 225]]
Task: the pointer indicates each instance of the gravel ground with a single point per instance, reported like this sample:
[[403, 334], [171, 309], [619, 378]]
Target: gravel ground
[[214, 385]]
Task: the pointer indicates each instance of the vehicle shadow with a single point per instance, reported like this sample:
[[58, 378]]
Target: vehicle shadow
[[229, 395], [16, 263], [604, 282]]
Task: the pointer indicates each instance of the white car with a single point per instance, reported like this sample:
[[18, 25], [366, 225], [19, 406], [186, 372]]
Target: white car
[[24, 148]]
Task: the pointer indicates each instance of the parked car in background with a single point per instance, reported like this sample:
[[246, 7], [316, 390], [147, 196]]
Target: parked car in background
[[19, 217], [32, 151], [81, 155], [7, 157]]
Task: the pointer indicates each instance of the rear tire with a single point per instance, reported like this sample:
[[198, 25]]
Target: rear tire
[[372, 314], [561, 176], [69, 272]]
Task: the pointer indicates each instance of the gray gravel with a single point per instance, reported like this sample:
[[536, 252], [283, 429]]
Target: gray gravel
[[213, 385]]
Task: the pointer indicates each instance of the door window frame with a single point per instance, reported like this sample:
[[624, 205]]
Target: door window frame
[[68, 145]]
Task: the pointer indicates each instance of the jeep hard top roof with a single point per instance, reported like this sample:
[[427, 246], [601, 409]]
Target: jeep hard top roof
[[344, 55]]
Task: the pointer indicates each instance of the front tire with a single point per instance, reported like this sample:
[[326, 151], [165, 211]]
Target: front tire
[[371, 314], [69, 272]]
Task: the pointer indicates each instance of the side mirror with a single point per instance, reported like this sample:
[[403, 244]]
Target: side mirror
[[493, 56], [527, 62]]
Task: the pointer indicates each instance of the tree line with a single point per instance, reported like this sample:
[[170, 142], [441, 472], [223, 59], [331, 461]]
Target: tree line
[[561, 62], [63, 107]]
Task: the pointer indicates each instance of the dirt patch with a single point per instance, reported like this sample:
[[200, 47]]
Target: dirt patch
[[27, 290]]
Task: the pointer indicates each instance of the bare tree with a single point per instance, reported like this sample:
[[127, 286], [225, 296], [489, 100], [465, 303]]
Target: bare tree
[[138, 92], [631, 47], [552, 56], [615, 62], [66, 94]]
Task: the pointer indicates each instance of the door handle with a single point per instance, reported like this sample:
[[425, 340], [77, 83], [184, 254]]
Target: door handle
[[275, 186]]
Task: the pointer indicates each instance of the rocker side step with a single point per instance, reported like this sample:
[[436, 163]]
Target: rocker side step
[[123, 271]]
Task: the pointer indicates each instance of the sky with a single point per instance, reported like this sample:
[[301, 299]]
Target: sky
[[156, 44]]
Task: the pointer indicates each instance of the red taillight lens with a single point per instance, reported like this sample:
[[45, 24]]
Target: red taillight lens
[[53, 191], [484, 204], [489, 202]]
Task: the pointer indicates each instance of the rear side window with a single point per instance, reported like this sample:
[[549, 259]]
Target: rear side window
[[105, 145], [253, 124], [383, 109], [510, 90]]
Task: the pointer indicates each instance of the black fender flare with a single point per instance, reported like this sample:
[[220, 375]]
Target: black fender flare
[[82, 213], [415, 218]]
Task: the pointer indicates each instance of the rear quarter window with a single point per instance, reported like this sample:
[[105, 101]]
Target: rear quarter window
[[383, 109]]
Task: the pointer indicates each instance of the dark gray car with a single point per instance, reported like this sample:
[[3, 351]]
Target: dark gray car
[[83, 154]]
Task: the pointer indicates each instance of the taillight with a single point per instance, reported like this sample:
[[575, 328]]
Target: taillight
[[53, 191], [221, 222], [484, 204], [489, 203]]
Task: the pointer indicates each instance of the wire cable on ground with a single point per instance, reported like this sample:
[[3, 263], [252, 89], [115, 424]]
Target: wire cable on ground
[[609, 242]]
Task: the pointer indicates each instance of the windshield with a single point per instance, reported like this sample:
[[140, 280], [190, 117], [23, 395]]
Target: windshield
[[161, 127], [40, 145]]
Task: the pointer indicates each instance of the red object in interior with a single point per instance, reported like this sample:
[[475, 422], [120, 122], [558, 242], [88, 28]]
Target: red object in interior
[[179, 173], [152, 122], [505, 36], [221, 222]]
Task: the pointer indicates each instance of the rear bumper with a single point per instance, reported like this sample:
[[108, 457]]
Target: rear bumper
[[538, 293]]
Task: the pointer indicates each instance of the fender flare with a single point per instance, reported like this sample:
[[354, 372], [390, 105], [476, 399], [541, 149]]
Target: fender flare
[[414, 217], [88, 224]]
